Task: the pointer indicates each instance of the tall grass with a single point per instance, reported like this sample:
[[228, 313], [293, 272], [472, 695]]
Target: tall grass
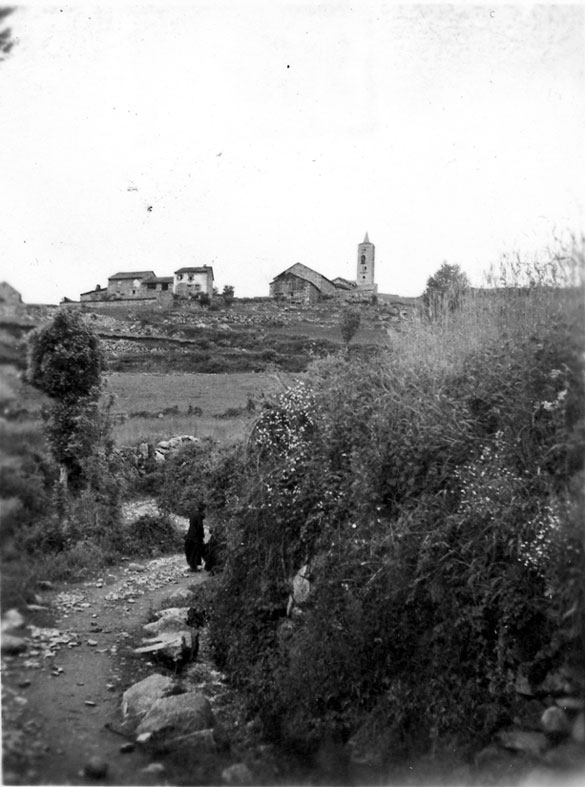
[[486, 316], [138, 430], [436, 495]]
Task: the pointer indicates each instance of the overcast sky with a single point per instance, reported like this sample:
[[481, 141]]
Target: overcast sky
[[251, 136]]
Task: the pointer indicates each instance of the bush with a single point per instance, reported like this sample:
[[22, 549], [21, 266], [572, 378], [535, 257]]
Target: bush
[[434, 500], [149, 534]]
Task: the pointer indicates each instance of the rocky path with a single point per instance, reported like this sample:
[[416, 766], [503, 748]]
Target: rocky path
[[63, 684]]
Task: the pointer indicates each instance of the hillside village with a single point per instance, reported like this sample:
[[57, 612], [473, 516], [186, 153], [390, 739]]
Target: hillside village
[[181, 323], [298, 284]]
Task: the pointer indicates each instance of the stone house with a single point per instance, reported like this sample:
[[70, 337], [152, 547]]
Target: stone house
[[146, 285], [301, 284], [155, 285], [128, 284], [190, 282]]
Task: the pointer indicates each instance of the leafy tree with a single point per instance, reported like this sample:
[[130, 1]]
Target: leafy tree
[[65, 358], [66, 362], [228, 294], [349, 324], [444, 289], [6, 39]]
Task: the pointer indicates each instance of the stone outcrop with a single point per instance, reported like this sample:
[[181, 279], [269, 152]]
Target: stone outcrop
[[300, 590], [139, 698], [548, 730], [177, 715], [11, 643], [173, 618], [175, 646], [166, 448], [162, 712]]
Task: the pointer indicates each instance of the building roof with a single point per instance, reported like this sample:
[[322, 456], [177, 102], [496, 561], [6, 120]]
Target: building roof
[[344, 284], [366, 239], [307, 274], [200, 269], [8, 289], [158, 280], [132, 275]]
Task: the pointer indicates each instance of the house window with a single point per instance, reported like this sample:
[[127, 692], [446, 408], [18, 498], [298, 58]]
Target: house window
[[151, 286], [164, 287], [179, 277]]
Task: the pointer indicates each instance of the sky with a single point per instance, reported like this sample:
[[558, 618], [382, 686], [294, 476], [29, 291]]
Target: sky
[[253, 135]]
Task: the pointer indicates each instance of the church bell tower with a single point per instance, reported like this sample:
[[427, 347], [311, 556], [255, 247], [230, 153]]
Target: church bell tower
[[365, 264]]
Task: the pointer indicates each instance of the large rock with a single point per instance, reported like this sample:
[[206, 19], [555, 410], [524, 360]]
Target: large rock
[[177, 646], [237, 774], [180, 596], [167, 447], [12, 619], [177, 715], [555, 723], [139, 698], [12, 646], [301, 587], [533, 744], [172, 618], [195, 743], [173, 612]]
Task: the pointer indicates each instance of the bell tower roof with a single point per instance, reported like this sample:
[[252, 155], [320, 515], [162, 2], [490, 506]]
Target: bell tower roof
[[366, 239]]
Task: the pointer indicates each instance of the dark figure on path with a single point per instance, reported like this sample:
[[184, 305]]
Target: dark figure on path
[[194, 540]]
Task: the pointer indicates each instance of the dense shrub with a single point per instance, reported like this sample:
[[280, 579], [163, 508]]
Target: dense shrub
[[434, 500]]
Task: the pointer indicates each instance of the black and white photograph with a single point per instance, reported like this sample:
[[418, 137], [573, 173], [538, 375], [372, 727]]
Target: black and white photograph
[[292, 393]]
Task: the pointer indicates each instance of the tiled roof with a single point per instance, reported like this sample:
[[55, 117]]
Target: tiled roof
[[201, 269], [158, 280], [344, 284], [132, 275], [307, 274]]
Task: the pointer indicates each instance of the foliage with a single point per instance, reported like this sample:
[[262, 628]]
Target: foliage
[[184, 478], [65, 358], [6, 38], [349, 324], [445, 289], [228, 294], [435, 500]]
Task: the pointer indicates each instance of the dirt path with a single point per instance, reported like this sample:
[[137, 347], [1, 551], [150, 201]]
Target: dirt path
[[63, 691]]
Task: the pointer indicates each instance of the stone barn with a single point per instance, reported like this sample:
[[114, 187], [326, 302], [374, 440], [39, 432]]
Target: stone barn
[[302, 285], [128, 284]]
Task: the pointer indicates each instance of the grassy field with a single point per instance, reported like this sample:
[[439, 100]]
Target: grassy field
[[140, 430], [213, 393], [223, 399]]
